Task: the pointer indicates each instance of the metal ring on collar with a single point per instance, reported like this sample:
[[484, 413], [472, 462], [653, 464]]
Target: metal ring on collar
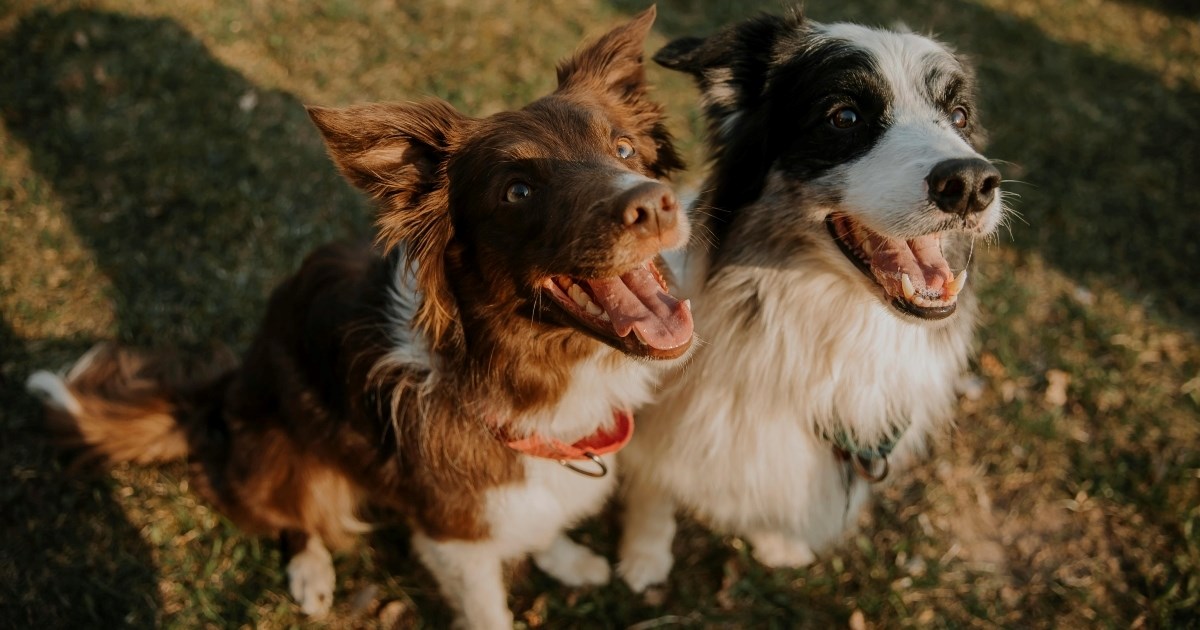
[[863, 466], [589, 473]]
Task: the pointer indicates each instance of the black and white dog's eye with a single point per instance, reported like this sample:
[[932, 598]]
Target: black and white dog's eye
[[625, 150], [844, 118], [958, 117], [518, 191]]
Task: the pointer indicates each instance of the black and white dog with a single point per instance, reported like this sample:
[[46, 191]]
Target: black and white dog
[[845, 197]]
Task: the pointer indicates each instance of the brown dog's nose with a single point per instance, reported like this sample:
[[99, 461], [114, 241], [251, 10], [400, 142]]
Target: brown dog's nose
[[649, 209], [963, 186]]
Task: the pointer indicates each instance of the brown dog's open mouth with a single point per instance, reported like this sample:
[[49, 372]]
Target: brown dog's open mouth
[[634, 311], [914, 274]]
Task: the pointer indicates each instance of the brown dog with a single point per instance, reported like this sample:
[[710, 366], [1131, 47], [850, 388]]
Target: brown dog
[[448, 376]]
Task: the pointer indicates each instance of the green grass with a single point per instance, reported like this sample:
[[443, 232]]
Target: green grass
[[158, 175]]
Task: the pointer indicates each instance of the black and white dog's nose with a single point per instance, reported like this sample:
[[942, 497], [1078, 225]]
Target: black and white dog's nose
[[963, 186]]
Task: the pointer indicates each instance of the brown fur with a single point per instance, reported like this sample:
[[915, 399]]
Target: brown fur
[[131, 404], [319, 418]]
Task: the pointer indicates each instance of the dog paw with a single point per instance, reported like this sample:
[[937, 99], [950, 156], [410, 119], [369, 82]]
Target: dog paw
[[644, 567], [777, 551], [311, 580], [573, 564], [590, 570]]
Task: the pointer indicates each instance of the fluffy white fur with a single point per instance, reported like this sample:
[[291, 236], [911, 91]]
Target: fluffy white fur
[[734, 436]]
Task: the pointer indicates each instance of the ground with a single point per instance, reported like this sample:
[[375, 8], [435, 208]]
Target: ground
[[158, 175]]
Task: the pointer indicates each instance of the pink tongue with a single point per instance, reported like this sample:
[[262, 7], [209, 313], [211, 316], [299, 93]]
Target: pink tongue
[[635, 301], [920, 258]]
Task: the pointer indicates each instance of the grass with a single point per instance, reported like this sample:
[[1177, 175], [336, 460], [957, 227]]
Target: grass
[[158, 175]]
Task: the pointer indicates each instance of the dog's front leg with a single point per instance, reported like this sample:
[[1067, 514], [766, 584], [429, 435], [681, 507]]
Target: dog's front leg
[[309, 571], [780, 550], [648, 528], [572, 564], [470, 575]]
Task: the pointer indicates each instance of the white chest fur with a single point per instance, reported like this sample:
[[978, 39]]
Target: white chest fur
[[527, 516], [598, 385], [552, 497], [788, 353]]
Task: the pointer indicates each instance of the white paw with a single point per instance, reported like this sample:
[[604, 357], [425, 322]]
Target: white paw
[[311, 579], [777, 551], [573, 564], [643, 567], [590, 569]]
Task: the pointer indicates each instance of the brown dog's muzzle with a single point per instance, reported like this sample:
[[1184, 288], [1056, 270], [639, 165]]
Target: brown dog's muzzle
[[649, 210]]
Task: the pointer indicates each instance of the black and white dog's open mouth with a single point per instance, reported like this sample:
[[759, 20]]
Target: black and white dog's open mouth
[[914, 273]]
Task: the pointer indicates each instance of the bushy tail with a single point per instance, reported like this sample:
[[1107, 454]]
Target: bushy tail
[[122, 405]]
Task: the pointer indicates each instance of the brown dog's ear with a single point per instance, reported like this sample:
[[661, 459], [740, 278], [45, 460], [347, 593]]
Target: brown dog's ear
[[613, 66], [397, 153], [613, 62]]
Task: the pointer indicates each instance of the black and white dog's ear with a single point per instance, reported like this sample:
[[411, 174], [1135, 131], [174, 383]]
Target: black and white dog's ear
[[679, 54], [730, 66]]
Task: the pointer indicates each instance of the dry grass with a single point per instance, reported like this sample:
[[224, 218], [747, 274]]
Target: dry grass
[[158, 175]]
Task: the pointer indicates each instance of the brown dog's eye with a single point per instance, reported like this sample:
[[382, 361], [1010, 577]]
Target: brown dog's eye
[[625, 149], [958, 117], [517, 191], [844, 118]]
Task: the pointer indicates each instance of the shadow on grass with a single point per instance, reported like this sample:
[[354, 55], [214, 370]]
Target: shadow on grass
[[1105, 153], [196, 191], [69, 558], [1178, 8]]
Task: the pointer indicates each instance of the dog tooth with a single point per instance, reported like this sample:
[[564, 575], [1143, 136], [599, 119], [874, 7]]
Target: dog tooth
[[867, 247], [960, 281], [604, 316], [907, 285], [688, 304], [954, 285], [566, 282], [639, 336], [592, 309], [579, 296]]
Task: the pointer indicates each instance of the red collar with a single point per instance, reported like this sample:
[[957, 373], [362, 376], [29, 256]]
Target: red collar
[[602, 442]]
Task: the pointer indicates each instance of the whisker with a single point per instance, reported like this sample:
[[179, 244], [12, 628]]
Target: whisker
[[1013, 212], [1018, 181], [705, 235]]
